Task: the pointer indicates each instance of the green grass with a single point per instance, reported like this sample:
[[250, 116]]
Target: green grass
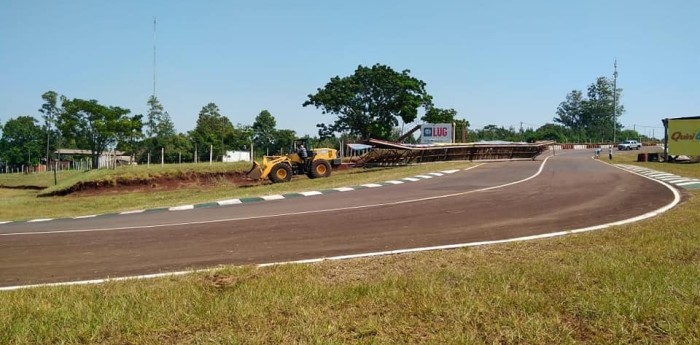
[[110, 177], [638, 283], [23, 205], [39, 179]]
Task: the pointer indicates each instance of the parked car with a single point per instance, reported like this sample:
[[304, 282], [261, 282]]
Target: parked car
[[630, 145]]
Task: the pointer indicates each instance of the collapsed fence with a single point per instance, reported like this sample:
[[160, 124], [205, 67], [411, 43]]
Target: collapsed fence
[[387, 153]]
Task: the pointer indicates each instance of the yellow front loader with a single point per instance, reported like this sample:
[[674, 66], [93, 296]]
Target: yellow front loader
[[281, 168]]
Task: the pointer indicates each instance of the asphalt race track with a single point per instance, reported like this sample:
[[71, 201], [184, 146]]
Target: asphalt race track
[[571, 191]]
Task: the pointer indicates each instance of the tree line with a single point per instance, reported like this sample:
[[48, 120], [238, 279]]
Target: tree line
[[88, 125], [373, 102]]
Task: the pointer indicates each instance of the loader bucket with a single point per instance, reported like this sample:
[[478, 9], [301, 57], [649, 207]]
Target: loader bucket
[[255, 172]]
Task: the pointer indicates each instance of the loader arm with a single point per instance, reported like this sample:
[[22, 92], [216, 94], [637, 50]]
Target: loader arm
[[262, 171]]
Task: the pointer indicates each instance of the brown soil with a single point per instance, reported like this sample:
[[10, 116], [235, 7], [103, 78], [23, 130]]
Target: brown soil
[[161, 183]]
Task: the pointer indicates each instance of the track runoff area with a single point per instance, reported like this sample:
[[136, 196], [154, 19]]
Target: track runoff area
[[407, 202]]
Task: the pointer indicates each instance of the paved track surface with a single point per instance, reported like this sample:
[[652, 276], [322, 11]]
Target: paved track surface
[[572, 191]]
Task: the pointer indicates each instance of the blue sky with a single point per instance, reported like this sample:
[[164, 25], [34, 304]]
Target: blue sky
[[495, 62]]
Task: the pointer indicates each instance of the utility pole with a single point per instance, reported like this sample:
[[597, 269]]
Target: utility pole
[[614, 102]]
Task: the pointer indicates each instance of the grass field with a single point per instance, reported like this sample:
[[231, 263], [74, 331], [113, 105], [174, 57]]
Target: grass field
[[638, 283], [18, 204]]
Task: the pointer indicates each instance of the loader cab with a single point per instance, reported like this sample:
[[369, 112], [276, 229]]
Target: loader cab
[[299, 142]]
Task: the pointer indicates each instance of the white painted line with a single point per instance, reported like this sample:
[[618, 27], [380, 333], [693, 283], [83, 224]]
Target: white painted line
[[412, 179], [668, 179], [9, 221], [394, 182], [83, 217], [437, 174], [181, 208], [659, 211], [312, 193], [371, 185], [475, 166], [676, 200], [272, 197], [424, 176], [229, 202], [675, 181], [132, 212], [663, 209], [39, 220], [659, 175], [449, 171], [343, 189], [99, 281]]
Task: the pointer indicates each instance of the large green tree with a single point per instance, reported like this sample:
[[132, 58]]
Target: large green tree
[[213, 131], [264, 131], [160, 134], [284, 139], [370, 102], [21, 141], [599, 109], [93, 126], [551, 131], [493, 132], [572, 113], [178, 148], [133, 132], [242, 137], [50, 111], [439, 115], [158, 122], [592, 116]]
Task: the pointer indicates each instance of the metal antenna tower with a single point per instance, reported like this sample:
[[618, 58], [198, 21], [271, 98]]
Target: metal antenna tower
[[615, 102], [154, 56]]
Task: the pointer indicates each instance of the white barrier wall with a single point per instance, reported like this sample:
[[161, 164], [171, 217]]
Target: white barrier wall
[[236, 156]]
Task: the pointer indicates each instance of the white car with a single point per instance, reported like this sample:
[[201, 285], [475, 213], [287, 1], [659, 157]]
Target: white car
[[629, 145]]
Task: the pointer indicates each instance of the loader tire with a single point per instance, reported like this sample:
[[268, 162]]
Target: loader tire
[[281, 172], [320, 168]]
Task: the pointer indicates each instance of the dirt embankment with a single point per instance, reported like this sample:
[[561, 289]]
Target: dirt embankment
[[156, 183]]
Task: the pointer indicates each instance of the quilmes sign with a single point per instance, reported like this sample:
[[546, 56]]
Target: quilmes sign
[[436, 133], [684, 137]]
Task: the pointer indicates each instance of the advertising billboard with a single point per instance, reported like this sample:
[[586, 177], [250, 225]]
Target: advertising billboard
[[436, 133], [684, 137]]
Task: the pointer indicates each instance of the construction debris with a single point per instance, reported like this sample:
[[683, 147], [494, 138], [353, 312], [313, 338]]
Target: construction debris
[[386, 153]]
